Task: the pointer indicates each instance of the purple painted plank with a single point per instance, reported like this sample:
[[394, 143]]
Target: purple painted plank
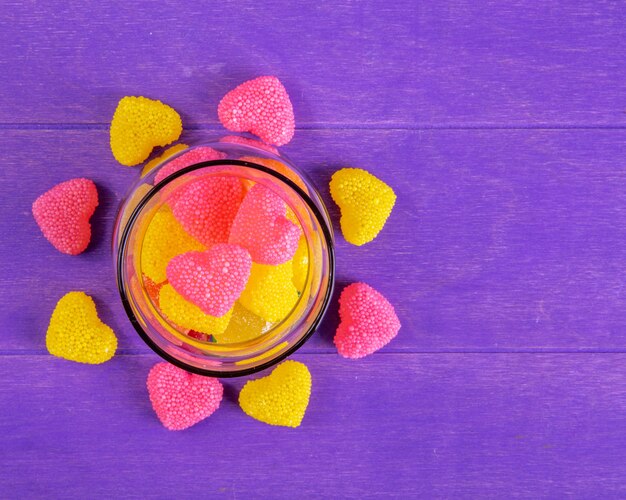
[[362, 64], [501, 240], [435, 425]]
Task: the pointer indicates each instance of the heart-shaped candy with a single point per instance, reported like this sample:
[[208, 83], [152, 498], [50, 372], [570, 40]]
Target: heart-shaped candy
[[207, 207], [76, 333], [139, 124], [260, 106], [365, 203], [191, 157], [281, 398], [270, 292], [368, 321], [188, 315], [212, 280], [63, 214], [182, 399], [262, 228], [165, 238]]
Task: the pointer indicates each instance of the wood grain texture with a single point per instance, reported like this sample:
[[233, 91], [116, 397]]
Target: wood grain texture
[[361, 64], [479, 425], [501, 240], [502, 127]]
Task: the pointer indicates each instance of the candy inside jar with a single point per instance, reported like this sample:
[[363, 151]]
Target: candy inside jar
[[224, 258], [226, 228]]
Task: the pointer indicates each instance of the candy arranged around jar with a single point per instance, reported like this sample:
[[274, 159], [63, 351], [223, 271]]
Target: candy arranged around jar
[[224, 258]]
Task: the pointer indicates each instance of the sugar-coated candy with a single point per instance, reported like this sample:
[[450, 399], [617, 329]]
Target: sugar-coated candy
[[243, 326], [260, 106], [182, 399], [281, 398], [365, 203], [191, 157], [171, 151], [164, 239], [76, 333], [246, 141], [262, 228], [305, 221], [212, 280], [368, 321], [206, 207], [189, 316], [301, 264], [139, 124], [270, 292], [63, 212]]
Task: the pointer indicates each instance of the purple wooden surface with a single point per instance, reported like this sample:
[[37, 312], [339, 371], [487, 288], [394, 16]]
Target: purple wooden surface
[[501, 125], [412, 425], [501, 239], [360, 64]]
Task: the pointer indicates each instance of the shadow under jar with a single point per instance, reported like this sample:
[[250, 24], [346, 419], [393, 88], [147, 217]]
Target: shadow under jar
[[266, 342]]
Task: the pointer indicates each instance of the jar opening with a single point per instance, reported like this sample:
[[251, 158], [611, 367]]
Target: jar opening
[[203, 355]]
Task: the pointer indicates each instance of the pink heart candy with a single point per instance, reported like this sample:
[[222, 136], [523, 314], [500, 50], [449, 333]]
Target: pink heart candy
[[212, 280], [261, 227], [191, 157], [260, 106], [368, 321], [206, 207], [63, 214], [181, 399]]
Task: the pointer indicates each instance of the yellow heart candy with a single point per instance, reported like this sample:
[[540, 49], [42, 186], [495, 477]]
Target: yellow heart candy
[[365, 203], [188, 315], [76, 333], [139, 124], [281, 398], [270, 292], [164, 239]]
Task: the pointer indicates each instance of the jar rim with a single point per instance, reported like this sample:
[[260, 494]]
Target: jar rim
[[121, 284]]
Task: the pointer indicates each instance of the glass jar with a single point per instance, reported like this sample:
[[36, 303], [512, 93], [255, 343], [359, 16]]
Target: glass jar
[[251, 162]]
